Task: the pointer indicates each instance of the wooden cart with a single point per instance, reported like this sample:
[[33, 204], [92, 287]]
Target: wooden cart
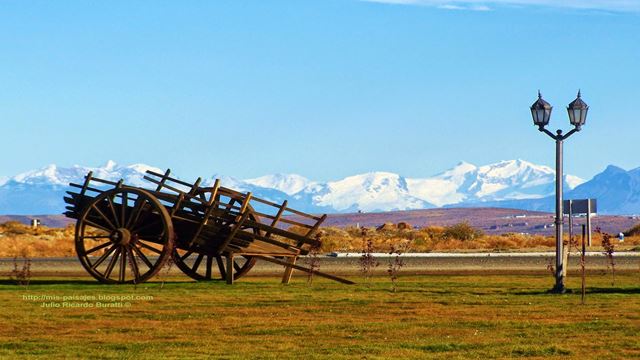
[[126, 234]]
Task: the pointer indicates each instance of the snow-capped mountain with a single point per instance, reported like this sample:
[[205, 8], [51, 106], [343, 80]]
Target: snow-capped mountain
[[54, 175], [41, 191], [287, 183], [368, 192], [617, 191], [505, 180]]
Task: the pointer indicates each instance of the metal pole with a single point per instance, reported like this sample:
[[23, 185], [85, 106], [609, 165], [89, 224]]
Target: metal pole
[[582, 264], [589, 222], [570, 220], [565, 253], [559, 287]]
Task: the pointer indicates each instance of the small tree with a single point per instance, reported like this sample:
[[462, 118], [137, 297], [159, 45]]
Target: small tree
[[313, 260], [21, 274], [609, 248], [367, 261], [396, 262], [462, 231]]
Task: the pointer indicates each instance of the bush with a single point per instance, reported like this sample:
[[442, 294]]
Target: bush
[[14, 228], [634, 231], [462, 231], [432, 232]]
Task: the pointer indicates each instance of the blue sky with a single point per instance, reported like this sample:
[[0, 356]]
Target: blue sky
[[325, 88]]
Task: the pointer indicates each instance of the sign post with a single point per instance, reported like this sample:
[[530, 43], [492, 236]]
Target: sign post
[[587, 207]]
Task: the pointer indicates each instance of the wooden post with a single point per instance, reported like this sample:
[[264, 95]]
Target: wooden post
[[288, 271], [234, 230], [245, 203], [211, 207], [283, 207], [230, 269], [163, 180], [214, 192], [176, 206], [195, 187], [302, 268], [316, 226], [87, 180]]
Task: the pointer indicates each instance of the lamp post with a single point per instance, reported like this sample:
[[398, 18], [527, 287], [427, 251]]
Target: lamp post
[[541, 113]]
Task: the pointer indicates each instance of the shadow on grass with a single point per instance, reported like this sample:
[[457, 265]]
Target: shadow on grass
[[613, 290], [50, 282], [88, 282], [597, 290]]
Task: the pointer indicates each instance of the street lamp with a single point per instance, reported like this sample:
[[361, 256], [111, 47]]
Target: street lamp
[[541, 113]]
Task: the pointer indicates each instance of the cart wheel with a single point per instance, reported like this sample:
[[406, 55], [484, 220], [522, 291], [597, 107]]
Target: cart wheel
[[124, 235], [202, 267], [202, 264]]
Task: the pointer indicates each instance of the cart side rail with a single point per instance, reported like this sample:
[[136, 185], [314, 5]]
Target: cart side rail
[[274, 214]]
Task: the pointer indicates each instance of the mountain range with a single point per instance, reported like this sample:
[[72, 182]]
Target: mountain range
[[510, 183]]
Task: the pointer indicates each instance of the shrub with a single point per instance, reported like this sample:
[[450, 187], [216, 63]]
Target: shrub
[[462, 231], [432, 232]]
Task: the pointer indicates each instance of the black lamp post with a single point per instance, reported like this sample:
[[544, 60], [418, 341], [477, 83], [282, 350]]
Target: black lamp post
[[541, 113]]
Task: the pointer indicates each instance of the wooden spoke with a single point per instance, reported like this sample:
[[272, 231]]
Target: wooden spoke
[[209, 265], [102, 215], [95, 236], [113, 210], [220, 262], [146, 226], [103, 257], [134, 264], [123, 208], [93, 224], [112, 263], [135, 212], [151, 248], [102, 246], [123, 264], [150, 239], [142, 257], [196, 264], [186, 255], [144, 212]]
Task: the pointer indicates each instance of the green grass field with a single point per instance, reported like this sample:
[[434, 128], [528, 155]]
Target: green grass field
[[480, 316]]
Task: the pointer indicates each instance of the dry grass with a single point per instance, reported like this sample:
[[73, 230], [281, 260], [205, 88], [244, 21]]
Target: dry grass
[[18, 240], [436, 238]]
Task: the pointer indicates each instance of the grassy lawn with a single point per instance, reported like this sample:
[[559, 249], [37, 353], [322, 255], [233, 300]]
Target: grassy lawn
[[481, 316]]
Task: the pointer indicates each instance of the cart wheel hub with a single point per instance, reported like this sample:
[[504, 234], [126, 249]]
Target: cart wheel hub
[[121, 236]]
